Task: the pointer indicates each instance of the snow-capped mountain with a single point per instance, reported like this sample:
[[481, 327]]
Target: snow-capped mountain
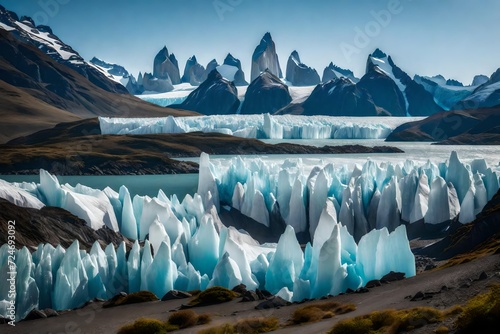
[[484, 96], [417, 101], [44, 39], [231, 70], [118, 74], [446, 92]]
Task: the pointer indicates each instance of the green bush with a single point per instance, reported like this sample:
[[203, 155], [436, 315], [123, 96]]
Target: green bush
[[132, 298], [214, 295]]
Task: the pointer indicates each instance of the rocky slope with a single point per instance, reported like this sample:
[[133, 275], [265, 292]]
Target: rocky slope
[[469, 237], [52, 225], [215, 96], [78, 148], [266, 94], [38, 91], [475, 126], [43, 38], [384, 78], [299, 74], [340, 97]]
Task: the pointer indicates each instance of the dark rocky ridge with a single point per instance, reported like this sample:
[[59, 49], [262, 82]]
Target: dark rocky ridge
[[52, 225], [467, 237], [133, 87], [388, 95], [383, 90], [266, 94], [340, 97], [299, 74], [471, 127], [74, 61], [38, 92], [215, 96], [78, 148]]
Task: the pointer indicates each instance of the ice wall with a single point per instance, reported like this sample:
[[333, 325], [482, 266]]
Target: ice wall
[[187, 248], [261, 126], [369, 196], [67, 279]]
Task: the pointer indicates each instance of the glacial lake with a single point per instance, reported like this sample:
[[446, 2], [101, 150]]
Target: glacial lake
[[182, 184], [419, 152], [179, 184]]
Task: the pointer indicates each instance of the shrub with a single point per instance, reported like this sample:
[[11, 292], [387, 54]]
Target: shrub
[[256, 325], [389, 321], [187, 318], [132, 298], [318, 311], [144, 326], [442, 330], [246, 326], [183, 319], [177, 320], [223, 329], [214, 295], [353, 326], [481, 314]]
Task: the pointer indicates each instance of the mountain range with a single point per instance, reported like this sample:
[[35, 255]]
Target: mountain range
[[46, 80]]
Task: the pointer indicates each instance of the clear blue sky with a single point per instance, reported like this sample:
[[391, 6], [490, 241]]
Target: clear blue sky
[[455, 38]]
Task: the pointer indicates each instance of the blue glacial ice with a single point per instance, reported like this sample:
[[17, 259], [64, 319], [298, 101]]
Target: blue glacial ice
[[261, 126], [353, 218]]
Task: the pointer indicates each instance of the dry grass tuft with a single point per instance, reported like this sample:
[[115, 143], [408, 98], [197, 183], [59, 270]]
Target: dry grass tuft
[[177, 320], [389, 321], [319, 311], [481, 314], [246, 326]]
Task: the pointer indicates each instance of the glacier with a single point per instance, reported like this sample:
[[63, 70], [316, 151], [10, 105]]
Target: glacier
[[355, 219], [370, 196], [264, 126], [189, 248]]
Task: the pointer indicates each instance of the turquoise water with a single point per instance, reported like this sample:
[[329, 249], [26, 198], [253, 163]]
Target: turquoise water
[[182, 184], [417, 151], [179, 184]]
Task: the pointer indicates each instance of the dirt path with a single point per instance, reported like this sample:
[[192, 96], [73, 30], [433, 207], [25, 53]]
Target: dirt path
[[95, 320]]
